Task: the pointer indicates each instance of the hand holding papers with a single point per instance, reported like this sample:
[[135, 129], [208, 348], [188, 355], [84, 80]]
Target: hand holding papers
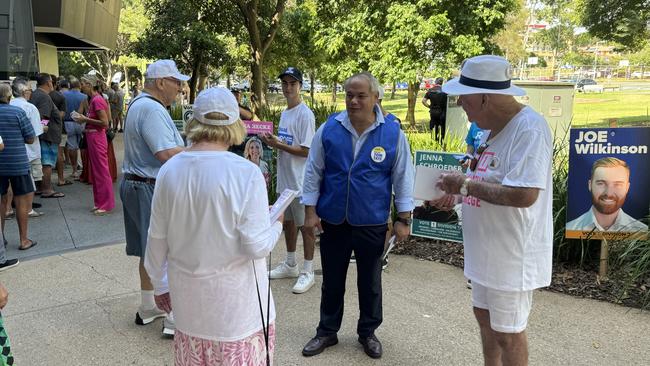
[[425, 183], [389, 247], [281, 204]]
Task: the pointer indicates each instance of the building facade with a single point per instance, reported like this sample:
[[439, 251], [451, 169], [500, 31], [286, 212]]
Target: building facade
[[33, 31]]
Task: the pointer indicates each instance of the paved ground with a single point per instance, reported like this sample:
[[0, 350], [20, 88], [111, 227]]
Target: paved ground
[[76, 307]]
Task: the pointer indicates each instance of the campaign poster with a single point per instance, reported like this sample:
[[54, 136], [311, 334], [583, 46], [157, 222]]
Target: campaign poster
[[428, 221], [609, 176], [255, 150]]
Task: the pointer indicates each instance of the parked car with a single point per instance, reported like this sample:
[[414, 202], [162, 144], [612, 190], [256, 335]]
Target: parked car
[[244, 85], [274, 88], [639, 74], [588, 85]]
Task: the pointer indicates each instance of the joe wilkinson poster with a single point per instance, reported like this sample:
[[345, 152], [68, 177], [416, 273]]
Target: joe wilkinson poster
[[608, 193]]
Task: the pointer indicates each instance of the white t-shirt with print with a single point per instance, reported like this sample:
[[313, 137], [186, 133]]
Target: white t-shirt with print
[[509, 248], [297, 127]]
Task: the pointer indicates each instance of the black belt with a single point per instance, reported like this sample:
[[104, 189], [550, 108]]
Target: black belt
[[137, 178]]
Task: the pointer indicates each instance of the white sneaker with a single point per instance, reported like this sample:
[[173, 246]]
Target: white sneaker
[[283, 270], [144, 317], [169, 327], [304, 283]]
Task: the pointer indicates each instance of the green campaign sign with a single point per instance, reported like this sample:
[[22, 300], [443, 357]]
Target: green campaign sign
[[428, 221]]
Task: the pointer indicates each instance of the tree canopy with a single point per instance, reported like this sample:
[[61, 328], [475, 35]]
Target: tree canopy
[[624, 21]]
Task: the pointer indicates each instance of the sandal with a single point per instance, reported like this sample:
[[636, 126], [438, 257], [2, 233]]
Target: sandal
[[65, 183], [54, 195], [29, 247], [10, 215], [100, 212]]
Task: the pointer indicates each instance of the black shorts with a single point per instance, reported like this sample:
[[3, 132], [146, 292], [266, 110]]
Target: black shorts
[[21, 185]]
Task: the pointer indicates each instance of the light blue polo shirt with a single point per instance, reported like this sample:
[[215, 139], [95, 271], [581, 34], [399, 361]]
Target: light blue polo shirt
[[148, 129]]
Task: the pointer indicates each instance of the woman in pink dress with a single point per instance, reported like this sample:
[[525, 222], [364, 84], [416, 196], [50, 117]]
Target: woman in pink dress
[[96, 121]]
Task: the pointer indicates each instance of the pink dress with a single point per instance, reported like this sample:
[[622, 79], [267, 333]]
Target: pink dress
[[103, 195]]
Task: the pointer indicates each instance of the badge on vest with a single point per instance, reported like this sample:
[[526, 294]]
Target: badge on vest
[[378, 154]]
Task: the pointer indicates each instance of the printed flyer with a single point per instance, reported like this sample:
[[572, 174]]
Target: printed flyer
[[429, 222], [609, 176]]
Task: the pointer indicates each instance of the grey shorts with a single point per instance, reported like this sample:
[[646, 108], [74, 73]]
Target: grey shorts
[[136, 203], [295, 212]]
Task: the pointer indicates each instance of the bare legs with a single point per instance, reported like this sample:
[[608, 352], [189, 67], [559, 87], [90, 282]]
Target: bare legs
[[501, 349]]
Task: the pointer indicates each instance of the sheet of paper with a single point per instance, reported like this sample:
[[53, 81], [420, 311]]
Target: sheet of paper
[[282, 203], [425, 183], [391, 244]]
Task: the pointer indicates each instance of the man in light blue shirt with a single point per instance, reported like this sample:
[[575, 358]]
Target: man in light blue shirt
[[150, 139], [356, 161]]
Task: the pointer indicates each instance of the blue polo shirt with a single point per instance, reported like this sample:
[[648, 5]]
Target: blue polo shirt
[[15, 128]]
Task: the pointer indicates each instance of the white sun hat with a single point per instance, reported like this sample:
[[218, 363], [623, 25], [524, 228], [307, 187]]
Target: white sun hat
[[164, 69], [219, 100], [487, 74]]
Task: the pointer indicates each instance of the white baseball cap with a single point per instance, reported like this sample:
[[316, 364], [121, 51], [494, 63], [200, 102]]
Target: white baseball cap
[[164, 69], [486, 74], [217, 99]]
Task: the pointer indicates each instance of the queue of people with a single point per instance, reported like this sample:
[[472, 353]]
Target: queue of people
[[197, 216]]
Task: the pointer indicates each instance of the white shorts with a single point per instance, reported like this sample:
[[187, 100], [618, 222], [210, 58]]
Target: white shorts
[[509, 310]]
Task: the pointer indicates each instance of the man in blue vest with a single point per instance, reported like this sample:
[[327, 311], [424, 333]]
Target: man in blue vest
[[355, 162]]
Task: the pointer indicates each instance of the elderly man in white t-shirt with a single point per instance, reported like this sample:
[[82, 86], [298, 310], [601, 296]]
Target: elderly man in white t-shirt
[[21, 92], [507, 206], [295, 132]]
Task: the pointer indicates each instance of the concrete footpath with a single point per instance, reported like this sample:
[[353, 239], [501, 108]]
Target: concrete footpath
[[73, 300]]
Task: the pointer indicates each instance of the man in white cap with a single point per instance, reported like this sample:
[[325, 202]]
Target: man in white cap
[[150, 139], [507, 206]]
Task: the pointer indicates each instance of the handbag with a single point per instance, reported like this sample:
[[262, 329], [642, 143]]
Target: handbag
[[110, 134]]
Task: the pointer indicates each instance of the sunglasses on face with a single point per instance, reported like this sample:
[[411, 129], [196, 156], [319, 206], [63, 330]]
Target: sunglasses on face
[[477, 156], [177, 82]]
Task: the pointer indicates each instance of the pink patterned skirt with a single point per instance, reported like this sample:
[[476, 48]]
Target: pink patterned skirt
[[250, 351]]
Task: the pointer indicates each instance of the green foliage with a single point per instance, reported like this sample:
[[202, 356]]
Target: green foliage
[[634, 263], [178, 31], [622, 21]]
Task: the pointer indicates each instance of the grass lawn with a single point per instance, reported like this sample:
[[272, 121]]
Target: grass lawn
[[630, 107]]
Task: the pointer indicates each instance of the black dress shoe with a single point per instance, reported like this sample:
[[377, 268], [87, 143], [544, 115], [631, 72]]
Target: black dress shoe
[[371, 346], [318, 344]]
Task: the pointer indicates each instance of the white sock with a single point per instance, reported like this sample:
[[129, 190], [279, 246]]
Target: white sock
[[291, 259], [308, 266], [148, 302]]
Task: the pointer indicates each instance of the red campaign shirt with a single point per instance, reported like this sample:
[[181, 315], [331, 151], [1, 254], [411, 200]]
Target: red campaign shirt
[[97, 103]]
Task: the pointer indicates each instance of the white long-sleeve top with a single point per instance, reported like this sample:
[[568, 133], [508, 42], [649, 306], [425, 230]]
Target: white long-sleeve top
[[209, 223]]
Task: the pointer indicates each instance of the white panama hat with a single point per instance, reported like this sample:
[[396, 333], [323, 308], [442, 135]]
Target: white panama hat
[[487, 74]]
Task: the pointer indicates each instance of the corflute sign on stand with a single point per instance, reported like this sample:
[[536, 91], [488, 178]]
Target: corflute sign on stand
[[609, 176]]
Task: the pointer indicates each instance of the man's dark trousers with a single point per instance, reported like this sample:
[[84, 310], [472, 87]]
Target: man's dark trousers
[[336, 245]]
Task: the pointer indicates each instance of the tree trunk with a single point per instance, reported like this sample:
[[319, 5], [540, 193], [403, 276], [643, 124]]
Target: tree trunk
[[392, 91], [126, 80], [334, 92], [311, 88], [412, 96], [258, 99]]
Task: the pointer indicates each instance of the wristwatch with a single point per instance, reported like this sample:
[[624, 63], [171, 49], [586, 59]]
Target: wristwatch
[[463, 188], [403, 220]]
